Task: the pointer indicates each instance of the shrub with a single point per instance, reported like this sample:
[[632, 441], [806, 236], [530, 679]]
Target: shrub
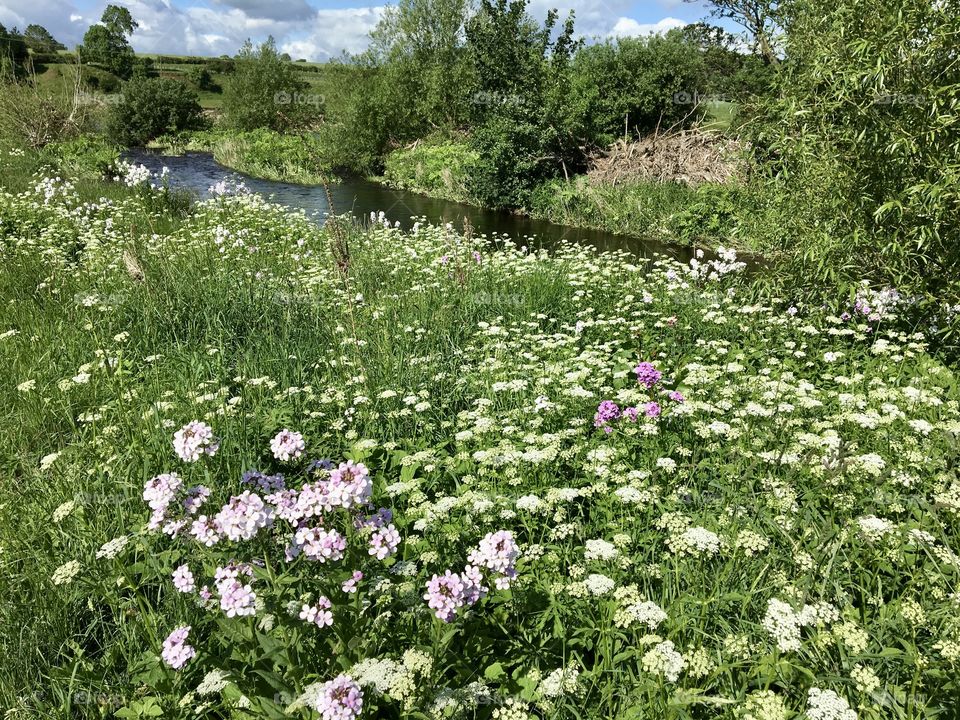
[[152, 107], [264, 92], [639, 84], [438, 168]]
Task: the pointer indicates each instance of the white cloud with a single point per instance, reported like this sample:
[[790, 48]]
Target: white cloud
[[220, 27], [628, 27]]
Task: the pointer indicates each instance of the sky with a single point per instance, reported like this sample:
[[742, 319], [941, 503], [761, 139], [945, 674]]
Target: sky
[[309, 29]]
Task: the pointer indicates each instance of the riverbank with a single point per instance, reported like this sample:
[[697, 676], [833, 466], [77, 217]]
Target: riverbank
[[670, 211], [259, 153]]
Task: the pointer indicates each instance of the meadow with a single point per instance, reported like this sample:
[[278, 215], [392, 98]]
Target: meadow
[[258, 468]]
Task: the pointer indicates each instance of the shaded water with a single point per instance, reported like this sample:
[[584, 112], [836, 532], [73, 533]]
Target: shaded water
[[198, 171]]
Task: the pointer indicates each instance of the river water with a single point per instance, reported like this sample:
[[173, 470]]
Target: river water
[[198, 171]]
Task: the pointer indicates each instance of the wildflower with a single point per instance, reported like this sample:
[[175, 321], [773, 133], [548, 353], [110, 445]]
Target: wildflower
[[287, 444], [176, 653], [64, 574], [26, 386], [213, 682], [63, 511], [647, 375], [350, 585], [384, 542], [600, 550], [445, 595], [651, 410], [320, 544], [664, 660], [827, 705], [606, 412], [318, 613], [193, 440], [112, 548], [339, 699], [47, 460], [243, 517], [236, 599], [183, 579]]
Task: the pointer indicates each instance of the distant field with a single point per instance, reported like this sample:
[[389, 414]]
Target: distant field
[[720, 114], [61, 77]]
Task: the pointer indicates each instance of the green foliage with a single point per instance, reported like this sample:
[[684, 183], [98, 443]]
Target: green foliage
[[202, 79], [262, 153], [637, 85], [434, 167], [264, 91], [641, 209], [87, 156], [711, 213], [106, 43], [151, 107], [866, 130], [39, 39], [13, 53], [529, 119]]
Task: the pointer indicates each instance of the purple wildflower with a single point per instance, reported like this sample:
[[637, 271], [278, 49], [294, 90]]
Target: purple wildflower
[[175, 651], [319, 613], [606, 412], [350, 586], [193, 440], [445, 594], [183, 579], [287, 444], [647, 374], [340, 699]]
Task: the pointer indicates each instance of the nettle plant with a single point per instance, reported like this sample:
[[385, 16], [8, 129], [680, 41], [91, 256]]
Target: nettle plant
[[290, 611]]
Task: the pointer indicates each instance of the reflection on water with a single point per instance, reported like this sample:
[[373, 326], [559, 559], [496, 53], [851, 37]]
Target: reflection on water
[[198, 171]]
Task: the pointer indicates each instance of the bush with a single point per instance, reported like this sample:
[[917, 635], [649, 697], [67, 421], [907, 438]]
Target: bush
[[639, 84], [265, 92], [866, 129], [438, 168], [87, 156], [152, 107]]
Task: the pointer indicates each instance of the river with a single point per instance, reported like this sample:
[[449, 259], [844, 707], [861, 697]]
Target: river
[[198, 171]]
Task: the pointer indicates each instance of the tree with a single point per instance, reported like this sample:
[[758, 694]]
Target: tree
[[106, 43], [39, 39], [529, 121], [760, 18], [265, 92], [13, 52], [640, 84], [152, 107]]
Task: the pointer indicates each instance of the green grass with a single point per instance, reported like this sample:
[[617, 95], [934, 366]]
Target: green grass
[[795, 517], [719, 115]]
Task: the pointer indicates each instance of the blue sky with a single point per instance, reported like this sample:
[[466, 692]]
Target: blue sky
[[305, 28]]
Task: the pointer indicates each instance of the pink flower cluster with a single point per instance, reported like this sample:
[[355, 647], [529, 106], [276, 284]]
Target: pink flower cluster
[[287, 445], [497, 552], [237, 598], [348, 486], [161, 493], [319, 613], [648, 375], [340, 699], [318, 544], [175, 651], [449, 592], [242, 517], [384, 538], [608, 412], [183, 579], [193, 440]]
